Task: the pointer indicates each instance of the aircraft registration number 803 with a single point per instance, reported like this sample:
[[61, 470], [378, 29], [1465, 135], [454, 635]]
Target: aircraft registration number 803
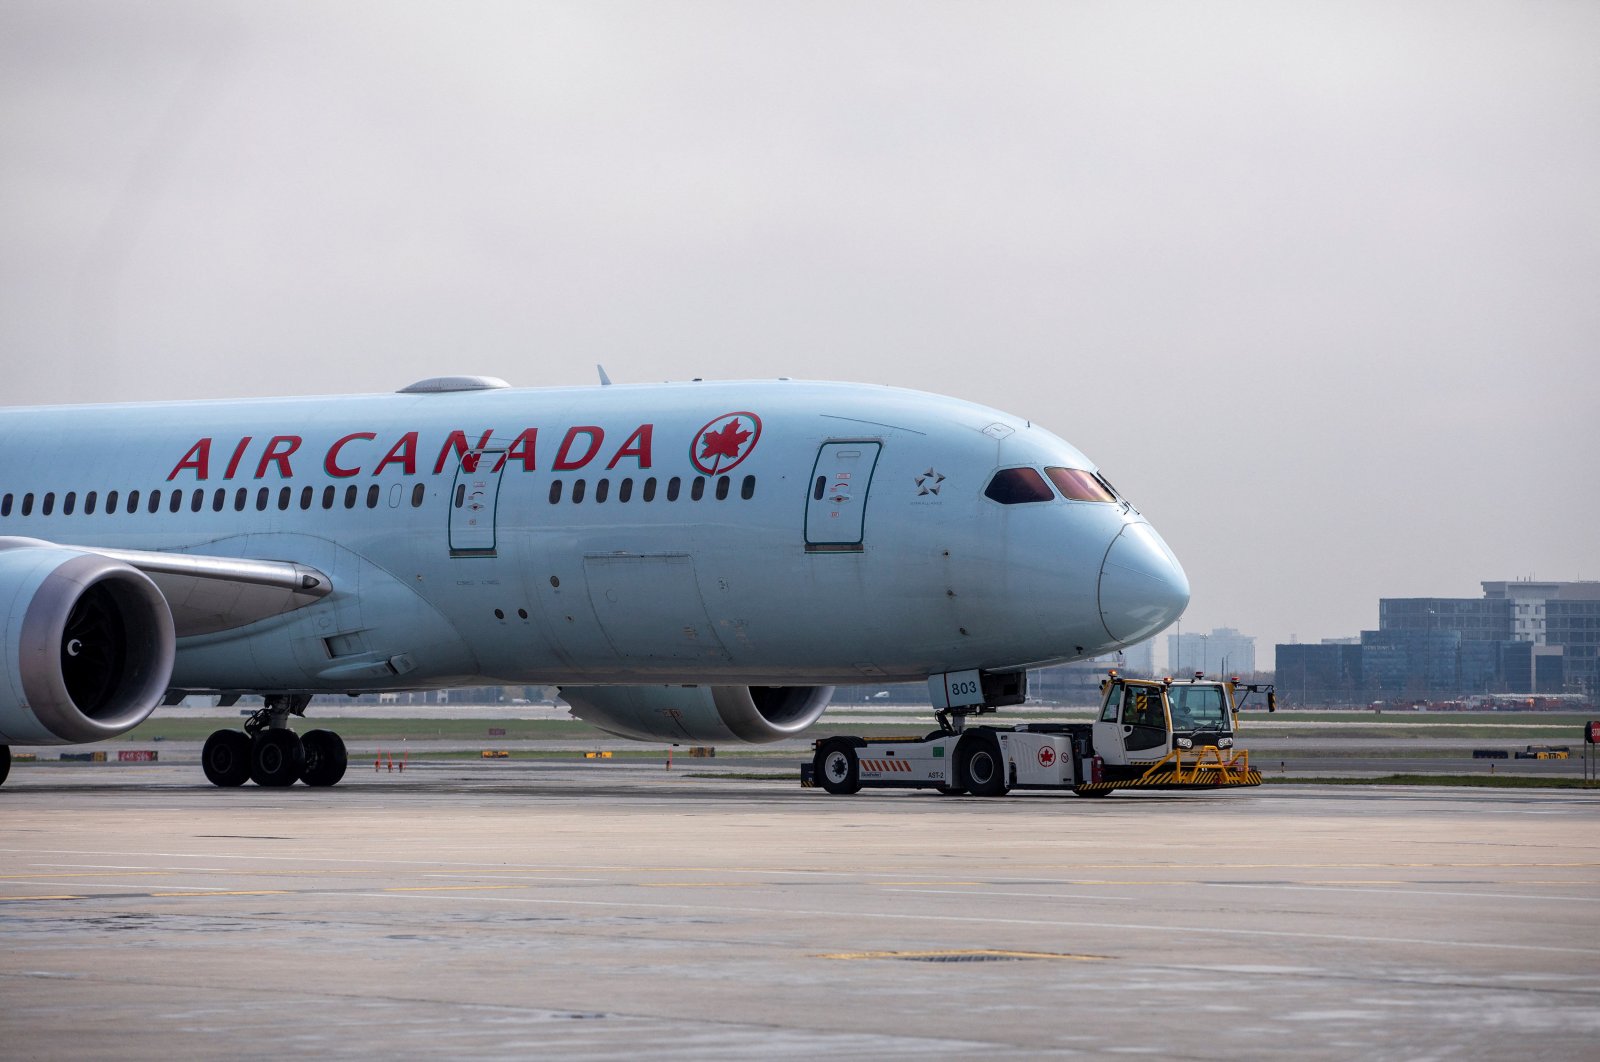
[[955, 689]]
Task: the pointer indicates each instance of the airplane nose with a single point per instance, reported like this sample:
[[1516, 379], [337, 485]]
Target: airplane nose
[[1142, 586]]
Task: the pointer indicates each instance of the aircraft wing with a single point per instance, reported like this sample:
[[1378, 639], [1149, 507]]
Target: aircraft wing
[[208, 594]]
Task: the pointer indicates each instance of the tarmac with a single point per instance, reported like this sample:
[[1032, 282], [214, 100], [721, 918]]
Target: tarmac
[[611, 909]]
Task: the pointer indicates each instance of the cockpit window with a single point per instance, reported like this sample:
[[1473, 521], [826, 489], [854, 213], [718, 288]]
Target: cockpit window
[[1013, 486], [1078, 485]]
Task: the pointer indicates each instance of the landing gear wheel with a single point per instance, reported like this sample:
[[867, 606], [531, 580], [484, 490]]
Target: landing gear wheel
[[835, 766], [276, 758], [226, 758], [325, 757], [982, 767], [5, 762]]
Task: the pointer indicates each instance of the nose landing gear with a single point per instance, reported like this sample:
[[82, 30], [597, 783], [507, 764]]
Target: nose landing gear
[[269, 754]]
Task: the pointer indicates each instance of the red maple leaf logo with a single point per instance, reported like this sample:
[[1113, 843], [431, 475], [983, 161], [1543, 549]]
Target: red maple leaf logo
[[724, 442]]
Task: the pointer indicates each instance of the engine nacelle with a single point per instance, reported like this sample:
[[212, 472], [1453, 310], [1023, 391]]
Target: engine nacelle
[[87, 645], [700, 714]]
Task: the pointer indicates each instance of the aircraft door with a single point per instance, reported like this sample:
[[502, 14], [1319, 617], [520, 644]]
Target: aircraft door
[[473, 503], [836, 507]]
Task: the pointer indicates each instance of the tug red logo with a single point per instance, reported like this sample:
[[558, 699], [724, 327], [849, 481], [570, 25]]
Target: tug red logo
[[724, 442]]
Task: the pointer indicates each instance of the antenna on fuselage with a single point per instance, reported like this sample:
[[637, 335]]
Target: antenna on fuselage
[[605, 381]]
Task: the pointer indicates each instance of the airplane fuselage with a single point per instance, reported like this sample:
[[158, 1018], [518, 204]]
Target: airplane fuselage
[[755, 532]]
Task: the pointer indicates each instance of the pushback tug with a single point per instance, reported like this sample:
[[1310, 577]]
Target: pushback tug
[[1149, 734]]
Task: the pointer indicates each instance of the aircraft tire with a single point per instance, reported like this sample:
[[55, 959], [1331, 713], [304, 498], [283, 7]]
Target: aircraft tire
[[276, 758], [982, 766], [5, 763], [226, 758], [326, 758], [836, 767]]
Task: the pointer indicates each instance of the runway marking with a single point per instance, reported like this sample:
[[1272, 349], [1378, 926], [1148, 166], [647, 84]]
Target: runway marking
[[977, 953], [452, 888], [702, 884], [1187, 930], [8, 899], [237, 892]]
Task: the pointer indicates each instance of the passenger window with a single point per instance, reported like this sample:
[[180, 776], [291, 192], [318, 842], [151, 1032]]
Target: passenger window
[[111, 502], [133, 501], [241, 498], [327, 497], [722, 488], [649, 494], [262, 497], [89, 501], [218, 500], [555, 491], [577, 491], [698, 490], [747, 489], [306, 494], [1078, 485], [350, 494], [283, 498], [27, 504], [154, 504], [174, 501], [417, 494], [5, 505], [1016, 486], [49, 504], [672, 488], [601, 489], [461, 494], [197, 500], [624, 490], [373, 493], [69, 503], [821, 487]]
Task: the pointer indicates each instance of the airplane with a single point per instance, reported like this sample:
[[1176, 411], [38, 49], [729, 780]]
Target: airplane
[[694, 562]]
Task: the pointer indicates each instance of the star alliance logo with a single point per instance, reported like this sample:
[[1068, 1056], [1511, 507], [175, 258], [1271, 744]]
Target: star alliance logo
[[928, 483]]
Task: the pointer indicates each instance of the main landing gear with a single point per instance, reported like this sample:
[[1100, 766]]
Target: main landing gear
[[268, 753]]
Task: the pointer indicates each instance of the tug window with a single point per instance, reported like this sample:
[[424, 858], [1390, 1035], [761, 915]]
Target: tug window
[[1078, 485], [1015, 486]]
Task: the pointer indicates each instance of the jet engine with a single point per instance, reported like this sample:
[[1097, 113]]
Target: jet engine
[[679, 714], [87, 641]]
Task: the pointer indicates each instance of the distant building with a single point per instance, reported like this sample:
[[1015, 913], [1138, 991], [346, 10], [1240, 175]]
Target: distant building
[[1223, 650], [1519, 638]]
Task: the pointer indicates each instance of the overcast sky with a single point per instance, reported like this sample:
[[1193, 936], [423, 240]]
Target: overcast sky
[[1317, 285]]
